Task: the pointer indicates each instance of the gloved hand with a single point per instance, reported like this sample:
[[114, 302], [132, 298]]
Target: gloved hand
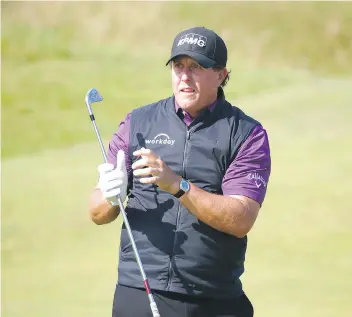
[[113, 182]]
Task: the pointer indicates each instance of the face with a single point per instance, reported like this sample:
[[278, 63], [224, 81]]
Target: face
[[194, 87]]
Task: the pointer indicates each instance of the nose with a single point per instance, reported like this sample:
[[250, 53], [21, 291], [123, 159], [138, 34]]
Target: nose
[[186, 74]]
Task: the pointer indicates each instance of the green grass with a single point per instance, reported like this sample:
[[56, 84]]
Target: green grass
[[298, 255], [300, 243], [291, 70], [52, 112], [50, 58], [55, 262]]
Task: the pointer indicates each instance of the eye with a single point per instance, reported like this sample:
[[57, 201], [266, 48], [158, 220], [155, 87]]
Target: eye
[[195, 66], [177, 65]]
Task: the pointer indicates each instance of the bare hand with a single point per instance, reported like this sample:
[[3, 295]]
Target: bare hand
[[153, 170]]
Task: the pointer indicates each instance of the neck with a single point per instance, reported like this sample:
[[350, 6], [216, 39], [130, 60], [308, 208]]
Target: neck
[[195, 112]]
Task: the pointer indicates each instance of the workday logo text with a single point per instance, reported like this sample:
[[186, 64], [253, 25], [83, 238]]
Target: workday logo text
[[193, 38], [161, 138]]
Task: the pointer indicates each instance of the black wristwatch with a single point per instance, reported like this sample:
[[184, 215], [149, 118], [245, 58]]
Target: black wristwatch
[[184, 188]]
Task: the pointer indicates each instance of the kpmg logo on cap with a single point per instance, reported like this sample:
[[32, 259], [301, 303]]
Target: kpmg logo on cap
[[193, 38]]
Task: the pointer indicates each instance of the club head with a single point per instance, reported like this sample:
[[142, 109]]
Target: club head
[[91, 97]]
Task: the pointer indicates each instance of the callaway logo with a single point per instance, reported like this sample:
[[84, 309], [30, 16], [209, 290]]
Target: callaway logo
[[193, 38], [258, 180], [161, 138]]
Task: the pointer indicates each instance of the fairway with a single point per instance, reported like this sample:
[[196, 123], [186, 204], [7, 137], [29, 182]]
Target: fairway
[[54, 254], [56, 262]]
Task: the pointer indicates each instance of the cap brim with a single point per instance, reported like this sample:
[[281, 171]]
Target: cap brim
[[200, 58]]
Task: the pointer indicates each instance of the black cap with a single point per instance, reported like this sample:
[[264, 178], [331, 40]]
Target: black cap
[[202, 44]]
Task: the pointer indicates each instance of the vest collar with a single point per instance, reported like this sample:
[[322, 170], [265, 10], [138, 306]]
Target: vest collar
[[210, 108]]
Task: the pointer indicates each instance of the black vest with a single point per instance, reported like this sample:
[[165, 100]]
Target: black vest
[[179, 252]]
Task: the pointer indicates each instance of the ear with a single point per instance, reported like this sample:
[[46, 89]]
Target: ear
[[222, 74]]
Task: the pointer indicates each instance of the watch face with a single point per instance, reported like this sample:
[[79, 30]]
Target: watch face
[[184, 185]]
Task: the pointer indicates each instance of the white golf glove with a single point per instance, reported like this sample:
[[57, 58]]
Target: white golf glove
[[113, 182]]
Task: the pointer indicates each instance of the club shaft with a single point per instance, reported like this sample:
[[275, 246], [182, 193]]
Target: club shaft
[[102, 148], [153, 306]]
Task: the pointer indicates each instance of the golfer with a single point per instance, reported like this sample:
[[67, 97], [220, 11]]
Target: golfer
[[195, 169]]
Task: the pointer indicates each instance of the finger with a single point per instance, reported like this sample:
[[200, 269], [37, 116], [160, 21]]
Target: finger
[[113, 191], [120, 160], [144, 161], [149, 180], [105, 168], [111, 185], [110, 194], [114, 183], [145, 152], [113, 175], [147, 171]]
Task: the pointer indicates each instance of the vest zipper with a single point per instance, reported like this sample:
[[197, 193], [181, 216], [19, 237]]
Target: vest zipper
[[178, 211]]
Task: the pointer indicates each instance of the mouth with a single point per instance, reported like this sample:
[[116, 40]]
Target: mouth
[[187, 90]]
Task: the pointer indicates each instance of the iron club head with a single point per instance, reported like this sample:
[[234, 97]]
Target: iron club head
[[91, 97]]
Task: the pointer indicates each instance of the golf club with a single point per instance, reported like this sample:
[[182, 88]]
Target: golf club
[[91, 97]]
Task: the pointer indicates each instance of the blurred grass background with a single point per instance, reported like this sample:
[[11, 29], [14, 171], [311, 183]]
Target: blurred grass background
[[291, 66]]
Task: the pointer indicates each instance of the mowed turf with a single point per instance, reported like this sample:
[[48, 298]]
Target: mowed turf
[[57, 263]]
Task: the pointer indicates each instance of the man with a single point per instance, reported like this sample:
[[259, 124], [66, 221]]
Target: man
[[196, 170]]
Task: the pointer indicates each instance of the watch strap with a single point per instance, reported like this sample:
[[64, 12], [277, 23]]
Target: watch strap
[[179, 193]]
